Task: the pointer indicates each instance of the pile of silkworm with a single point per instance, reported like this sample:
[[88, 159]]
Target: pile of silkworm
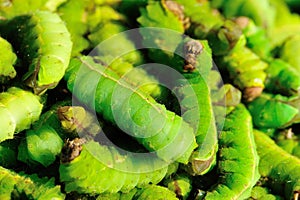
[[147, 100]]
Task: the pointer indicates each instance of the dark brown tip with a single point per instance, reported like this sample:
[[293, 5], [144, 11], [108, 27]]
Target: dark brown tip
[[71, 149]]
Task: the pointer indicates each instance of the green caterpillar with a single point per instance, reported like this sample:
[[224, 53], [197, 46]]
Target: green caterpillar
[[272, 111], [18, 110], [7, 60], [44, 141], [278, 165], [22, 186], [282, 78], [155, 127], [196, 107], [246, 70], [238, 159], [105, 169], [44, 44]]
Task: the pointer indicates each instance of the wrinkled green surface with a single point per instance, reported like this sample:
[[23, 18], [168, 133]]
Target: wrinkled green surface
[[165, 132], [18, 110], [16, 185], [278, 165], [238, 159], [42, 40], [103, 164]]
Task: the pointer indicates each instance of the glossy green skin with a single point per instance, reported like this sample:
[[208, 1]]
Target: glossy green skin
[[278, 165], [238, 159], [44, 43], [95, 171], [282, 78], [163, 131], [197, 111], [272, 111], [16, 185], [18, 110], [7, 60]]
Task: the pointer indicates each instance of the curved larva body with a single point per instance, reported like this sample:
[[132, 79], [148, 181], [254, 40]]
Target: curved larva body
[[29, 186], [44, 44], [18, 110], [138, 114], [238, 159], [278, 165], [93, 171]]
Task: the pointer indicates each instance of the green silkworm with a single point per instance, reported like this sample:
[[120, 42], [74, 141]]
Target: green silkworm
[[246, 70], [196, 107], [272, 111], [278, 165], [15, 186], [7, 60], [18, 110], [43, 142], [148, 121], [238, 159], [263, 15], [282, 78], [105, 169], [44, 44], [288, 141]]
